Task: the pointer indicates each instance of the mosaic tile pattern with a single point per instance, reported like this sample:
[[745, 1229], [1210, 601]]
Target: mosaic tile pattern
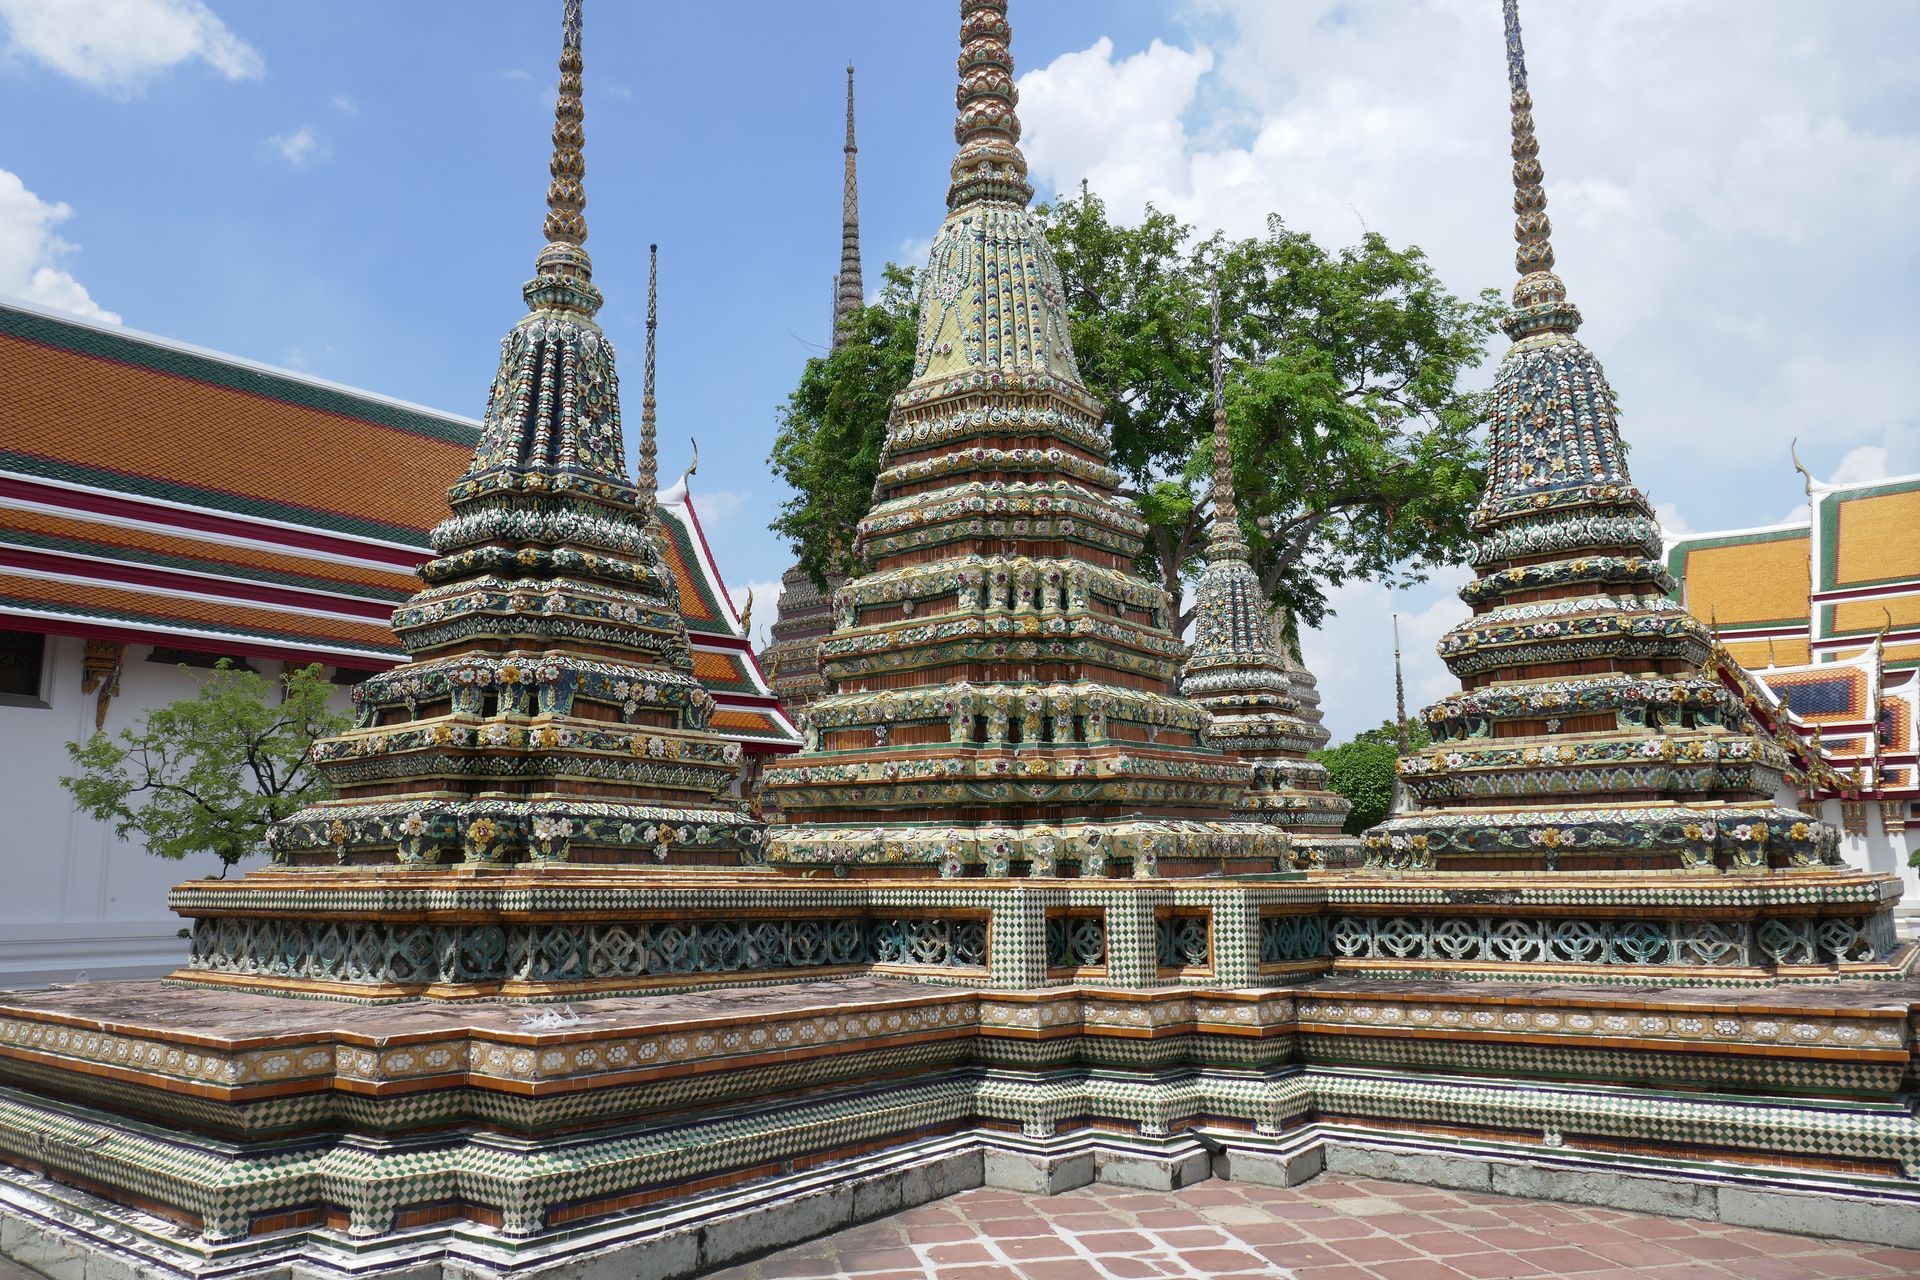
[[1332, 1228]]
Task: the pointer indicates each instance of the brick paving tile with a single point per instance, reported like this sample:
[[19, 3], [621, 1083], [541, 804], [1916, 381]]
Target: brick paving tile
[[1564, 1261], [1046, 1246], [1207, 1237], [1715, 1247], [1266, 1233], [1341, 1229], [947, 1255], [1300, 1255], [1416, 1269], [1443, 1243], [1061, 1269], [1493, 1266], [1514, 1238], [1636, 1253], [1328, 1229], [1371, 1249]]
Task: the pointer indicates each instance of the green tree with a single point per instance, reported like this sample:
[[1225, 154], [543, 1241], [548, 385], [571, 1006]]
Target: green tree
[[217, 769], [1353, 443], [834, 422], [1361, 769]]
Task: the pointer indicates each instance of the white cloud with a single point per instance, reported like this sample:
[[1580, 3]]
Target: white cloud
[[301, 147], [345, 105], [716, 505], [1868, 462], [30, 253], [1671, 521], [1731, 184], [119, 46]]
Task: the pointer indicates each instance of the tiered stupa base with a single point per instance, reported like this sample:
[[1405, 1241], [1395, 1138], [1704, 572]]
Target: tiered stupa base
[[1142, 1034]]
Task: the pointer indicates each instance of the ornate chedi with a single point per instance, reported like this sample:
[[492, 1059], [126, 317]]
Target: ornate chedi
[[549, 713], [1590, 735], [793, 659], [805, 611], [1242, 669], [1003, 676]]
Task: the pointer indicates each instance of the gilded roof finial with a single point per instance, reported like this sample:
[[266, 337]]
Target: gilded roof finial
[[1225, 541], [746, 616], [649, 477], [989, 165], [1806, 476], [563, 274], [849, 290], [1539, 296]]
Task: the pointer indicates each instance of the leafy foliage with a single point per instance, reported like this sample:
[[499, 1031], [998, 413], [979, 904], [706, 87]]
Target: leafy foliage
[[1353, 444], [1361, 769], [834, 422], [217, 769]]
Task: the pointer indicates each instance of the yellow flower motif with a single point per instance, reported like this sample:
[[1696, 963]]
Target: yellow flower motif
[[510, 674], [548, 738], [1419, 844], [482, 832], [1691, 831], [441, 734], [337, 832], [1800, 831], [1550, 838]]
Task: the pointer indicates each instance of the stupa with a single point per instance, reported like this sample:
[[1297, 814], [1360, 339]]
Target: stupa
[[1002, 675], [1601, 728], [805, 610], [1242, 669]]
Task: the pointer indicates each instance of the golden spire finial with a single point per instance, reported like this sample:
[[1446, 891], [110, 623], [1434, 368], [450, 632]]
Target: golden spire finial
[[649, 478], [566, 197], [989, 165], [563, 273], [1539, 295], [1225, 541]]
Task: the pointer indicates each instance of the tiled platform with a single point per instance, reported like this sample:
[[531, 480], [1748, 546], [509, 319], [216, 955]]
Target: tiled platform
[[1332, 1228]]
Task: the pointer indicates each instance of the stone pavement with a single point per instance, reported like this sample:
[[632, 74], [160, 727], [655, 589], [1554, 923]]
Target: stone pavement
[[1332, 1228]]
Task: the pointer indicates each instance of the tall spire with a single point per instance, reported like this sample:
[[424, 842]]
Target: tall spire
[[1225, 541], [648, 480], [849, 291], [1539, 296], [563, 274], [989, 165], [1399, 693]]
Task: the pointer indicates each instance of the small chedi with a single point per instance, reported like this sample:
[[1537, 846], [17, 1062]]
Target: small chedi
[[1601, 728], [1241, 667], [1002, 676], [805, 611], [792, 661]]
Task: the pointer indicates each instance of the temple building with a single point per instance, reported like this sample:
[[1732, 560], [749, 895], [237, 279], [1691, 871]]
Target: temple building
[[1243, 669], [1825, 612], [1001, 675]]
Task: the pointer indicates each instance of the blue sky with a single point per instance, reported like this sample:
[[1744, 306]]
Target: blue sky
[[355, 189]]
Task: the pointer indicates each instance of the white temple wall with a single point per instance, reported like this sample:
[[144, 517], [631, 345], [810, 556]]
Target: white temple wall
[[1877, 849], [76, 899]]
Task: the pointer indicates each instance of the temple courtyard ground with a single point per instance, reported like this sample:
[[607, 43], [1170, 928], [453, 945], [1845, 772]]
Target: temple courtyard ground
[[1332, 1228]]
